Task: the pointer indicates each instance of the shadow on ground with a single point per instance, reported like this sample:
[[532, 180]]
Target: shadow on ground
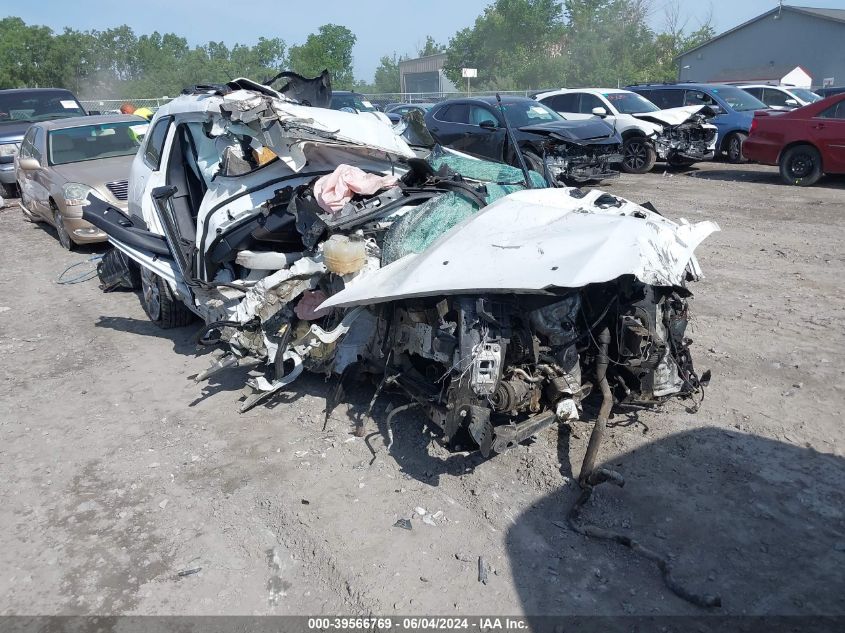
[[738, 515], [736, 173]]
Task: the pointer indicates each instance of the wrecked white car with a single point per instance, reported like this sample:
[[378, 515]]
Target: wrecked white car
[[314, 239], [680, 136]]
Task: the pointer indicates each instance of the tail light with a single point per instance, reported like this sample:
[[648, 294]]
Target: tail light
[[753, 125]]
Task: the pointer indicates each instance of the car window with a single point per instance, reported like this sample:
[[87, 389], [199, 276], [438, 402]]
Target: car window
[[26, 143], [527, 112], [155, 143], [567, 102], [41, 105], [477, 115], [93, 142], [807, 95], [755, 92], [630, 102], [588, 102], [698, 97], [666, 98], [772, 97], [354, 101], [455, 113], [836, 111], [737, 99], [37, 143]]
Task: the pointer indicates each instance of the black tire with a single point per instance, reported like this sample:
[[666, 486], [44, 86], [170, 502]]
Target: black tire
[[733, 147], [161, 306], [61, 231], [533, 162], [638, 155], [801, 165]]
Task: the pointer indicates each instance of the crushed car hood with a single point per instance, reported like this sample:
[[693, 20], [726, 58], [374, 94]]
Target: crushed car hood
[[287, 128], [589, 130], [537, 240], [673, 116]]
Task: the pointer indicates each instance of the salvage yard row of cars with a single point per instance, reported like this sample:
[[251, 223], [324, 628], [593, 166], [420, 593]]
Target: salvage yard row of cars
[[447, 257]]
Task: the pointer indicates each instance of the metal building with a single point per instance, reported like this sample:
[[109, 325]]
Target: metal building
[[771, 45], [424, 74]]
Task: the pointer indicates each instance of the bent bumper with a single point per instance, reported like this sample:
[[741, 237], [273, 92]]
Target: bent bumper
[[83, 232]]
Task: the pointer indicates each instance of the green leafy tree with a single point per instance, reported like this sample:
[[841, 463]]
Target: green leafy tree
[[387, 75], [330, 48], [430, 47], [514, 44]]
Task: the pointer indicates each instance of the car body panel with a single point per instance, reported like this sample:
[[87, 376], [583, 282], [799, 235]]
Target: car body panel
[[775, 132], [655, 125], [776, 97], [555, 240], [727, 122], [599, 144], [43, 188]]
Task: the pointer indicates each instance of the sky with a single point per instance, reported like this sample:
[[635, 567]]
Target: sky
[[382, 27]]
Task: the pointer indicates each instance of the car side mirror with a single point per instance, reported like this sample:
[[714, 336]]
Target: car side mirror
[[488, 124], [791, 103], [600, 112], [28, 164]]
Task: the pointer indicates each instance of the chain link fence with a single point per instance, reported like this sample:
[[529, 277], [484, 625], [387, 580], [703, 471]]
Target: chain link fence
[[384, 99], [112, 106]]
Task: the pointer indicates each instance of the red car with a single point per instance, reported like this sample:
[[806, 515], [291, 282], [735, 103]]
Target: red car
[[805, 143]]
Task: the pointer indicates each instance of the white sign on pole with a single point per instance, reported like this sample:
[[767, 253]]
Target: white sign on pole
[[827, 82], [467, 73]]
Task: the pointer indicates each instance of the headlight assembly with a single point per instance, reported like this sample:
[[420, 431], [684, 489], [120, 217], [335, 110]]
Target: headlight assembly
[[75, 193]]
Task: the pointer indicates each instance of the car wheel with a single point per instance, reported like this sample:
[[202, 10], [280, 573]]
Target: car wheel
[[801, 165], [733, 147], [61, 230], [533, 162], [638, 156], [161, 306]]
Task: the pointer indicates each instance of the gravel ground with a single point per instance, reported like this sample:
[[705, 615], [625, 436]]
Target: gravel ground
[[118, 472]]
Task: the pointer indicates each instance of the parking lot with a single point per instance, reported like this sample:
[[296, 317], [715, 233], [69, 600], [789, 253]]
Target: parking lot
[[128, 488]]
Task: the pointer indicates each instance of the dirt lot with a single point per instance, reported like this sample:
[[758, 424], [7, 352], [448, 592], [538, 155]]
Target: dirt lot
[[117, 471]]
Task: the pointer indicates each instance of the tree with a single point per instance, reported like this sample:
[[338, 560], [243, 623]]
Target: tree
[[330, 48], [513, 44], [387, 75], [430, 47]]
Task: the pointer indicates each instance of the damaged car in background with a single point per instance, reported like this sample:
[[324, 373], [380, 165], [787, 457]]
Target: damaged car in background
[[316, 240], [565, 152], [679, 136]]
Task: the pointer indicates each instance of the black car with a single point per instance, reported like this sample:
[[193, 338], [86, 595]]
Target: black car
[[20, 108], [394, 111], [574, 151], [830, 91]]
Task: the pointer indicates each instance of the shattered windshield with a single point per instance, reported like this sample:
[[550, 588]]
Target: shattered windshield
[[739, 100], [90, 142], [805, 95], [38, 106], [630, 102], [528, 112]]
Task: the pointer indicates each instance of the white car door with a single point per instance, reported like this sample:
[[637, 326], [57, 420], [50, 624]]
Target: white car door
[[148, 171]]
